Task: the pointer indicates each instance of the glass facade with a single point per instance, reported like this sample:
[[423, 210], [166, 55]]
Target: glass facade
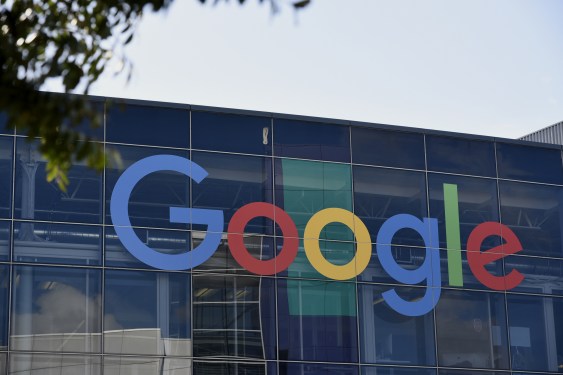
[[75, 301]]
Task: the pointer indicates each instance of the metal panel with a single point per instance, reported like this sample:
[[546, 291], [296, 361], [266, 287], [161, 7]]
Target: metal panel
[[552, 134]]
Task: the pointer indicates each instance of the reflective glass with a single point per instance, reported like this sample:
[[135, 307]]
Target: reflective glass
[[150, 202], [536, 332], [557, 330], [231, 133], [518, 162], [476, 203], [388, 337], [534, 213], [234, 181], [317, 321], [261, 247], [336, 252], [147, 313], [272, 368], [231, 368], [57, 243], [463, 156], [471, 330], [35, 198], [87, 126], [147, 125], [54, 364], [147, 366], [303, 188], [4, 286], [541, 275], [372, 370], [161, 241], [234, 316], [6, 158], [387, 148], [311, 140], [381, 193], [4, 124], [468, 372], [409, 258], [56, 309], [5, 235], [316, 369], [469, 280]]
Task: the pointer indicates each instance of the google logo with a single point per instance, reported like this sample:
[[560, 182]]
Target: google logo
[[428, 272]]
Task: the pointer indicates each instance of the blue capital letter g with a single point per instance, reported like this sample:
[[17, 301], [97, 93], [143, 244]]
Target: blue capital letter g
[[119, 207]]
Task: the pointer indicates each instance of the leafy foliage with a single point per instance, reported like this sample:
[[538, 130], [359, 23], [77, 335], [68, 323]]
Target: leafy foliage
[[71, 40]]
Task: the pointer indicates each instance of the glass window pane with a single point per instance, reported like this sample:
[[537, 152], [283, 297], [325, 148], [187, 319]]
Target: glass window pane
[[5, 235], [541, 275], [409, 258], [303, 188], [231, 133], [471, 329], [477, 203], [463, 156], [336, 252], [86, 127], [310, 140], [56, 309], [468, 372], [373, 370], [4, 285], [146, 125], [517, 162], [534, 213], [234, 181], [468, 278], [147, 313], [6, 158], [535, 343], [261, 247], [161, 241], [57, 243], [234, 316], [38, 199], [381, 193], [557, 328], [316, 369], [317, 321], [146, 365], [387, 148], [388, 337], [150, 202], [4, 124], [47, 364], [232, 368]]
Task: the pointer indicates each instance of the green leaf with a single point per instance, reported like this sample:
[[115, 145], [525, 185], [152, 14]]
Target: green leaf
[[72, 44]]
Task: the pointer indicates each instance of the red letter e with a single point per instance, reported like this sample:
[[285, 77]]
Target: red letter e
[[478, 260]]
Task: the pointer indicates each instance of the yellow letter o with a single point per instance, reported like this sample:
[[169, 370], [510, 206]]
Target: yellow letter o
[[313, 251]]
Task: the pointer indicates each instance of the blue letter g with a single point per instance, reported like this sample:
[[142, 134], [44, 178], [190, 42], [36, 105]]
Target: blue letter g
[[119, 207]]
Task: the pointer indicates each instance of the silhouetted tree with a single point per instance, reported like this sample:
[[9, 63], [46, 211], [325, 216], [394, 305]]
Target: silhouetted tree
[[74, 41]]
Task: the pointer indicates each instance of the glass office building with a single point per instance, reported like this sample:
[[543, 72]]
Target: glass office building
[[75, 301]]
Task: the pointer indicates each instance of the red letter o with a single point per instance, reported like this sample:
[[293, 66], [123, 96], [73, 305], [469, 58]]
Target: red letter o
[[290, 241]]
